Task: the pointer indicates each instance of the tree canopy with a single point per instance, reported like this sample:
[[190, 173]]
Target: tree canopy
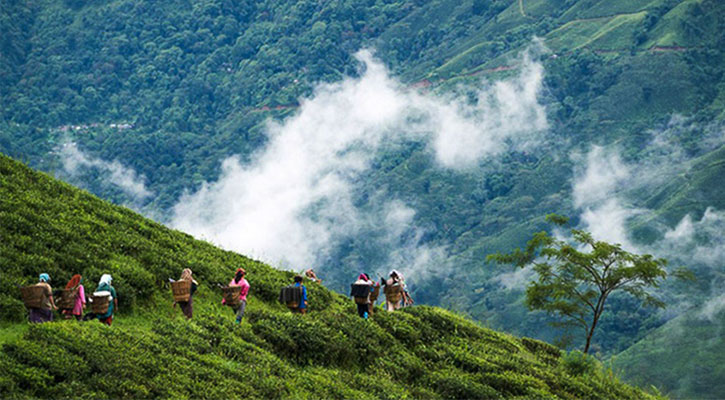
[[575, 277]]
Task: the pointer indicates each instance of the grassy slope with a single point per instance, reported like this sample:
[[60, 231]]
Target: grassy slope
[[152, 351], [694, 343]]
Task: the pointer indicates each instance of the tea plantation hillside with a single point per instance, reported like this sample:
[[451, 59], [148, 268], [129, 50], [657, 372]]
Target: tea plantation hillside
[[151, 351]]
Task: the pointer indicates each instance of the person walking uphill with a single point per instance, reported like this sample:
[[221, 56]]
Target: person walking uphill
[[302, 308], [187, 307], [44, 313], [239, 280], [396, 292], [76, 284], [360, 291], [104, 285]]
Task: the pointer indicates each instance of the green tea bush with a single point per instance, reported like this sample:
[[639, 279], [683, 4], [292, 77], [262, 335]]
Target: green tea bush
[[469, 362], [11, 308], [511, 383], [458, 385], [400, 326], [576, 363], [437, 320]]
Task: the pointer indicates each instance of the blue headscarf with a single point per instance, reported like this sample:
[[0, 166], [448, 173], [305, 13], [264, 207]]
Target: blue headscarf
[[44, 277]]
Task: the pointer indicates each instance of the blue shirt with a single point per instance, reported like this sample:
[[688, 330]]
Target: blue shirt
[[304, 295]]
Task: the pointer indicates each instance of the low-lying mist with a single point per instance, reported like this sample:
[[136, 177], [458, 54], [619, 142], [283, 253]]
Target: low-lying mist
[[76, 162], [294, 200], [607, 192]]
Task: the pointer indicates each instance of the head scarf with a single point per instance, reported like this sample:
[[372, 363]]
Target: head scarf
[[106, 279], [239, 275], [363, 277], [44, 277], [186, 275], [74, 282], [396, 276]]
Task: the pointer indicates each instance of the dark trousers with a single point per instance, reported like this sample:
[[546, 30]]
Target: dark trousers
[[240, 310], [39, 315], [362, 310], [187, 307]]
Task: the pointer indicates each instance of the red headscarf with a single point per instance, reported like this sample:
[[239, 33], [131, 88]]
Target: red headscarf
[[73, 282]]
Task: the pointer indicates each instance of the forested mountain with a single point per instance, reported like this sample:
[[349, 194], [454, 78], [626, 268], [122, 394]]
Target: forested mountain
[[607, 111], [421, 352]]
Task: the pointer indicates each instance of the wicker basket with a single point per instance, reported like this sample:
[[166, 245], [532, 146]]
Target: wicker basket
[[181, 290], [375, 294], [32, 296], [67, 298], [231, 295], [99, 304], [393, 293]]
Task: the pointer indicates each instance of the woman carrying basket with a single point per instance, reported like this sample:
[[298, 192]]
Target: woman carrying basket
[[239, 280], [79, 303], [44, 313], [187, 306], [104, 285]]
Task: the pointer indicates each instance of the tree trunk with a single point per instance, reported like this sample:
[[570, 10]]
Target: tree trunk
[[597, 314], [589, 340]]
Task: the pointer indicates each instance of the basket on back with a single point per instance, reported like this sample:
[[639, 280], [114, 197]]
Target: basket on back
[[231, 295], [360, 292], [32, 296], [291, 296], [67, 298], [181, 290], [375, 294], [100, 302], [393, 293]]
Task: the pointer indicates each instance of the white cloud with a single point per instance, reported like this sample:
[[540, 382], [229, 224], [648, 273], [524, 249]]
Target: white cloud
[[463, 133], [294, 200], [596, 193], [603, 184], [697, 241], [516, 280], [600, 179], [75, 161], [712, 307]]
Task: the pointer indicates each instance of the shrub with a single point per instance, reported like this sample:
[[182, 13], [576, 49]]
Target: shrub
[[576, 363], [457, 385]]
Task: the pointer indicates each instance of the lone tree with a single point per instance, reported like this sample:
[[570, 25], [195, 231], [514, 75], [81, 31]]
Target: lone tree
[[575, 279]]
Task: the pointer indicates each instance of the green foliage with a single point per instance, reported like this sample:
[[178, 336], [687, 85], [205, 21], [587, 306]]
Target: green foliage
[[575, 284], [576, 363], [419, 352]]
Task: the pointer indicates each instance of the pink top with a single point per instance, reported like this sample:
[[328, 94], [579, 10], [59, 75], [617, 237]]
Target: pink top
[[245, 288], [80, 301]]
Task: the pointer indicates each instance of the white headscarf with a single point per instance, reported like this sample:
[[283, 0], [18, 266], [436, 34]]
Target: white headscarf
[[105, 278], [396, 272]]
